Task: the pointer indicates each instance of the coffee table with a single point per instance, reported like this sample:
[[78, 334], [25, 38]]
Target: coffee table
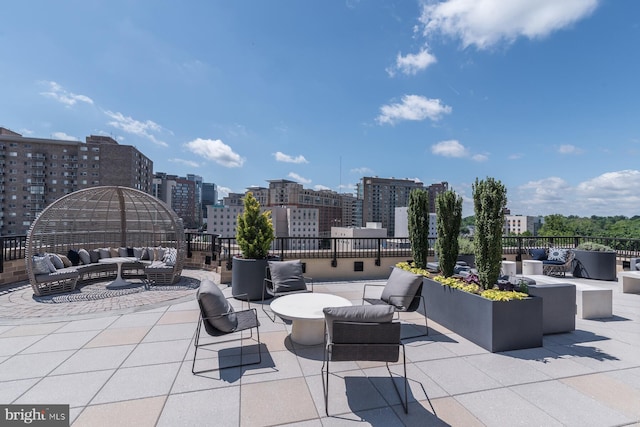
[[119, 282], [305, 312]]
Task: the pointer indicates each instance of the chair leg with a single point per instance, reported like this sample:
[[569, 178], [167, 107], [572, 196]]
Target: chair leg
[[195, 344], [273, 319], [405, 402], [325, 380], [426, 326]]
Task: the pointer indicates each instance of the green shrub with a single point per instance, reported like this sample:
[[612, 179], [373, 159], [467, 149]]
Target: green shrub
[[593, 246], [254, 233]]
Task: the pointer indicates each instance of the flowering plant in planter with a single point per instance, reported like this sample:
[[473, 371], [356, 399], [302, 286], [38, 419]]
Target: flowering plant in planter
[[506, 291], [411, 266]]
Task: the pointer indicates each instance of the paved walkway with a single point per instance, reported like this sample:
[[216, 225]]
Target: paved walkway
[[130, 364]]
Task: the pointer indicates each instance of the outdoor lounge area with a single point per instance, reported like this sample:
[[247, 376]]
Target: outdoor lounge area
[[127, 360]]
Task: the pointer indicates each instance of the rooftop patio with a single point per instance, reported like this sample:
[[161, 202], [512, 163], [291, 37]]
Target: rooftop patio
[[126, 360]]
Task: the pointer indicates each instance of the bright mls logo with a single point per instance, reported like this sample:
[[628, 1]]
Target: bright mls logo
[[34, 415]]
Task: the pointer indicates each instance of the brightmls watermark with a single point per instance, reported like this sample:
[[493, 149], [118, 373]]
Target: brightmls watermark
[[34, 415]]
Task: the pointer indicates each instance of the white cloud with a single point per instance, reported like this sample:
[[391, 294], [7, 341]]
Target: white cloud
[[486, 23], [364, 171], [64, 136], [411, 63], [285, 158], [413, 107], [216, 150], [450, 148], [321, 187], [515, 156], [223, 191], [299, 178], [480, 157], [135, 127], [569, 149], [189, 163], [58, 93], [612, 193]]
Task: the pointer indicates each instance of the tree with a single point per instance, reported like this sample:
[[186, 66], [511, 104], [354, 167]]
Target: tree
[[254, 233], [418, 223], [489, 201], [449, 210]]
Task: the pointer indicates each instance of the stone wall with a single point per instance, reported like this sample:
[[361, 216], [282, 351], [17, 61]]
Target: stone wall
[[14, 271]]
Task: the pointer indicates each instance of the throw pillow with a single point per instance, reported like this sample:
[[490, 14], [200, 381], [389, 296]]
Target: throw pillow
[[216, 311], [130, 252], [145, 255], [84, 256], [357, 313], [170, 257], [66, 261], [42, 265], [538, 254], [137, 252], [114, 252], [287, 276], [104, 253], [122, 252], [56, 260], [401, 288], [159, 254], [94, 255], [73, 256], [556, 254]]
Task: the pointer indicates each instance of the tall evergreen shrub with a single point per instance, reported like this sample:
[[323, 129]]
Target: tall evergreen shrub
[[489, 201], [418, 218], [448, 219], [254, 232]]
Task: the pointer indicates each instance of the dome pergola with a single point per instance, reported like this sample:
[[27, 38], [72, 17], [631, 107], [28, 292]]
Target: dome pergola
[[108, 216]]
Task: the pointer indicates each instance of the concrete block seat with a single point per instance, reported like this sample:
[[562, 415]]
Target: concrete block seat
[[630, 281], [558, 306], [592, 302]]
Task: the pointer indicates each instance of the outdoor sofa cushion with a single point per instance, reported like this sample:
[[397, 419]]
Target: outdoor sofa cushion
[[401, 283], [43, 265], [357, 313], [538, 254], [216, 311], [56, 260], [84, 256], [287, 276]]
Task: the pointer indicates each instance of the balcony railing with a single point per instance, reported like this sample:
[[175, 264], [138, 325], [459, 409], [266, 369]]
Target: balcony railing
[[222, 249]]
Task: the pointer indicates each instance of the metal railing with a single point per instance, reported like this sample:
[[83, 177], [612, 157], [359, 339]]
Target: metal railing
[[222, 249]]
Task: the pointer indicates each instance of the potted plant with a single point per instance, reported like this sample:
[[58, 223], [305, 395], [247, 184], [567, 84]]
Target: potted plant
[[476, 307], [418, 224], [594, 261], [449, 210], [254, 235]]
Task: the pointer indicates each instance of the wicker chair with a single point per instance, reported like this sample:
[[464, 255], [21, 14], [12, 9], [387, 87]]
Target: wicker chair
[[559, 269], [99, 217]]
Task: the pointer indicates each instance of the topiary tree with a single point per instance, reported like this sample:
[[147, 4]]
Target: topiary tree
[[448, 219], [254, 232], [418, 223], [489, 201]]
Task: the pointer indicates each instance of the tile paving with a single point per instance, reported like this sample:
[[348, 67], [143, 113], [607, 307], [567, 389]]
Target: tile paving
[[126, 360]]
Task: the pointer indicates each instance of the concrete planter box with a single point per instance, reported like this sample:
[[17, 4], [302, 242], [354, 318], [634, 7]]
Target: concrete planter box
[[493, 325], [595, 265], [247, 277]]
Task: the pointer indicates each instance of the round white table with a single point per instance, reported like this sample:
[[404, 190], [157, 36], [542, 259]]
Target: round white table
[[305, 312], [119, 282]]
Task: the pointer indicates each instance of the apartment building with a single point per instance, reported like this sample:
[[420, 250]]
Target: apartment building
[[34, 172], [518, 224], [380, 197], [181, 193]]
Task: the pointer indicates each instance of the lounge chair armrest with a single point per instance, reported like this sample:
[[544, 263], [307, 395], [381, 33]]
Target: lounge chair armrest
[[370, 285]]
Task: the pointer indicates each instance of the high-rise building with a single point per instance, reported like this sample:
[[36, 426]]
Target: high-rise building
[[209, 197], [197, 180], [434, 190], [380, 197], [180, 194], [34, 172]]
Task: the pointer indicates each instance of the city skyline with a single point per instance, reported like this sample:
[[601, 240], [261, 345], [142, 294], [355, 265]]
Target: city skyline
[[538, 94]]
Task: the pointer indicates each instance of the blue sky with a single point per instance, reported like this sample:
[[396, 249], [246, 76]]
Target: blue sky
[[540, 94]]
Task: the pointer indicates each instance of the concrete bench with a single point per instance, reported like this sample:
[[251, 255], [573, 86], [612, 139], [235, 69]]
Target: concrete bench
[[592, 302], [558, 306], [630, 281]]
